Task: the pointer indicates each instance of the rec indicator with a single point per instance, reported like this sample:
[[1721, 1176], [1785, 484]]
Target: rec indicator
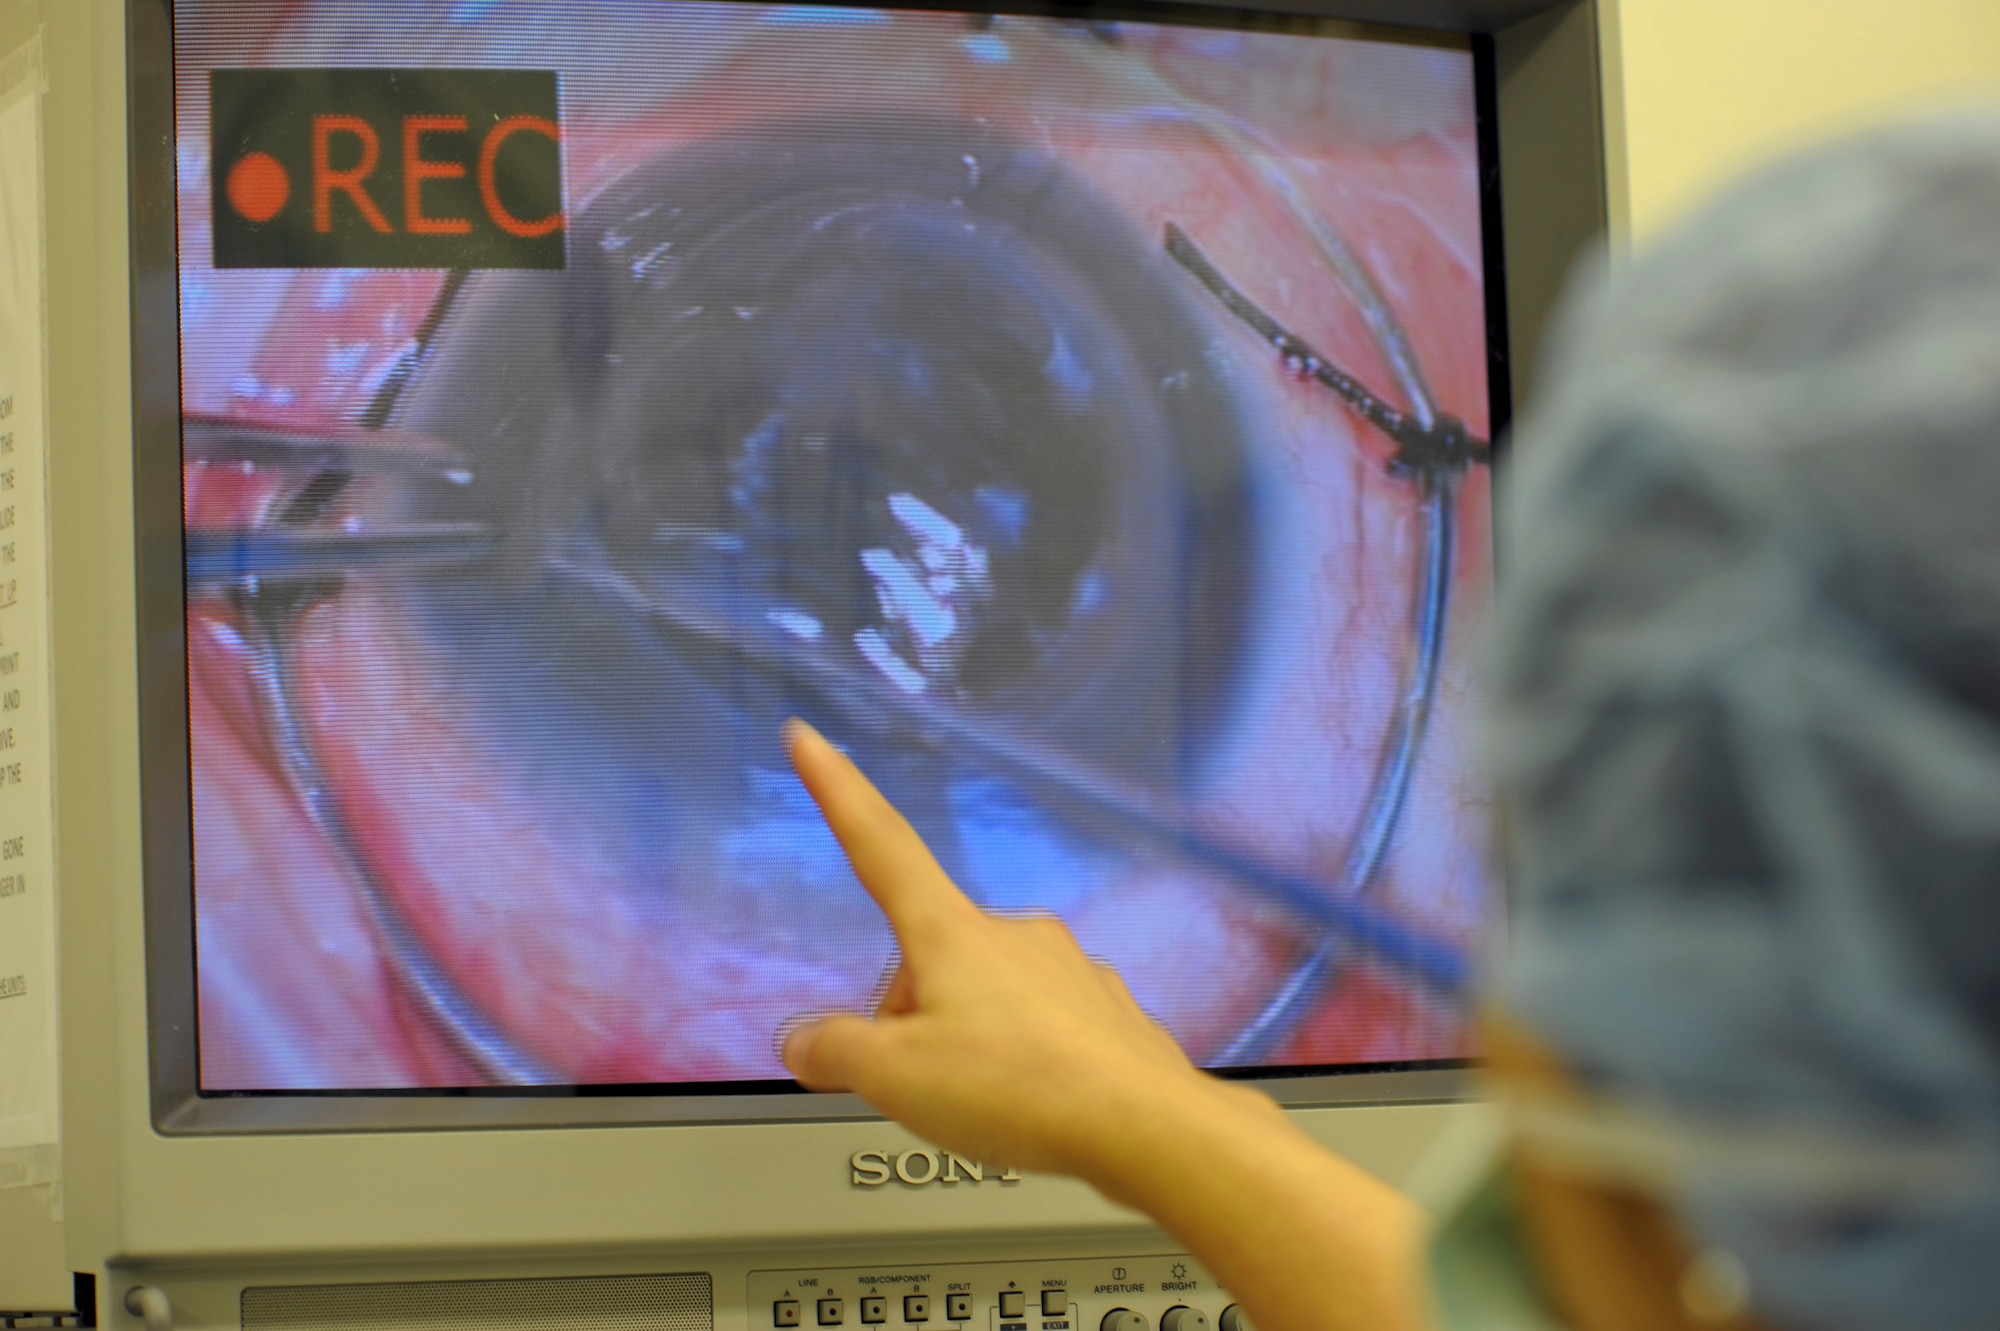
[[387, 168]]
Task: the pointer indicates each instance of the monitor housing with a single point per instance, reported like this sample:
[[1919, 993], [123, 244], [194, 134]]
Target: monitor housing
[[211, 1196]]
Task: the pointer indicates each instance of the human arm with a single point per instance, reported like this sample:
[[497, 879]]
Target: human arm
[[1000, 1038]]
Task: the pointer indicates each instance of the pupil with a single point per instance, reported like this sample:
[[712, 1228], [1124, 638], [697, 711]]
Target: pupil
[[914, 400], [900, 420]]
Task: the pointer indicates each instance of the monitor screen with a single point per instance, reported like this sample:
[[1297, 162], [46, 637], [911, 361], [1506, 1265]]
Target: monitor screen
[[1079, 417]]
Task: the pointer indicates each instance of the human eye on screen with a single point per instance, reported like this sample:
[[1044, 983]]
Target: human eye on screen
[[924, 434]]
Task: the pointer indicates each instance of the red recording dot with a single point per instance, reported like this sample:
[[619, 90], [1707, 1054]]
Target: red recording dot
[[258, 187]]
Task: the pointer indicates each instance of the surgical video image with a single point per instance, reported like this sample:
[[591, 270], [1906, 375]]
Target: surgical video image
[[1083, 422]]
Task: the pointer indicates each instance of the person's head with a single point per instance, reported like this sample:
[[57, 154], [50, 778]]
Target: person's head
[[1746, 728]]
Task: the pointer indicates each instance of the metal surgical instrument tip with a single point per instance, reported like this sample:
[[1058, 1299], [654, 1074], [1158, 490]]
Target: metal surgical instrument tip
[[234, 557], [220, 441], [299, 543], [1420, 449]]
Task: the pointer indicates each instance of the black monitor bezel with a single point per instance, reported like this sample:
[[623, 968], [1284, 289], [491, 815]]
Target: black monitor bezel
[[179, 1105]]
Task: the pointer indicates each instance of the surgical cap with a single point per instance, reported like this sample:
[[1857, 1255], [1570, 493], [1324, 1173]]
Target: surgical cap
[[1745, 713]]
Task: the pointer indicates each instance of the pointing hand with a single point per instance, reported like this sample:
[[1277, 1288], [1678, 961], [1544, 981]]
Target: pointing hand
[[996, 1037]]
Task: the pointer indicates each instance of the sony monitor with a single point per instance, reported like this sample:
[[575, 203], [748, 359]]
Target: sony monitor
[[477, 425]]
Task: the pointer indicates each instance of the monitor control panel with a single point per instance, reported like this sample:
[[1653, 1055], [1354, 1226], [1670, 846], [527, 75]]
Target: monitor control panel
[[1169, 1292]]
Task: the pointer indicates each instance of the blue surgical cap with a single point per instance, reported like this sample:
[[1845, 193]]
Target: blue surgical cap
[[1745, 710]]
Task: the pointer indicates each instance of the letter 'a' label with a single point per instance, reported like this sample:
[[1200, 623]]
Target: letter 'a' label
[[387, 168]]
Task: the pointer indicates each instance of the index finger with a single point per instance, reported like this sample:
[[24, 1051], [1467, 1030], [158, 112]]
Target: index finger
[[888, 856]]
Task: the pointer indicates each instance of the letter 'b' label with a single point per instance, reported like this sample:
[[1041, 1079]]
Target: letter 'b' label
[[387, 168]]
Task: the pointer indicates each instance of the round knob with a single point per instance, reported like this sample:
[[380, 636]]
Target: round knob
[[1122, 1319], [1184, 1319], [151, 1306], [1232, 1319]]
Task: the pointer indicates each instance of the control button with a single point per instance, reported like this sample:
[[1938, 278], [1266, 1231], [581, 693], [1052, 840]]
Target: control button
[[1232, 1319], [958, 1307], [785, 1312], [1055, 1303], [917, 1308], [1122, 1319], [829, 1312], [876, 1309], [1183, 1319], [1013, 1303]]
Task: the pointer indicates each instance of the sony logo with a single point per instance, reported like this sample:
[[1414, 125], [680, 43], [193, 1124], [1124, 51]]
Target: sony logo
[[918, 1166]]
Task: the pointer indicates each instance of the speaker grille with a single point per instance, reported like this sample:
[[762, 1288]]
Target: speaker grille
[[613, 1303]]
